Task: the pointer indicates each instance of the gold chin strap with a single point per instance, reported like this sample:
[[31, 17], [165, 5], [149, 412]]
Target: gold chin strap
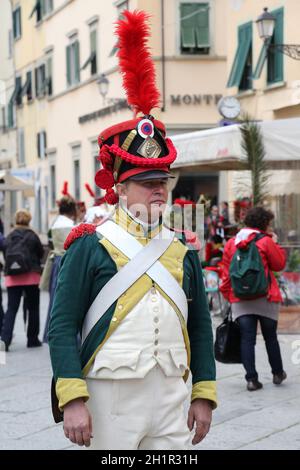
[[125, 146]]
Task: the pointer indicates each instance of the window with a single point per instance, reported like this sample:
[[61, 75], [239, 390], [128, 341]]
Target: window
[[16, 97], [53, 186], [38, 10], [73, 63], [47, 7], [21, 146], [17, 29], [76, 166], [3, 119], [40, 80], [41, 144], [92, 59], [18, 89], [10, 115], [49, 79], [194, 28], [121, 5], [27, 88], [41, 8], [77, 179], [10, 44], [96, 164], [241, 72], [274, 58]]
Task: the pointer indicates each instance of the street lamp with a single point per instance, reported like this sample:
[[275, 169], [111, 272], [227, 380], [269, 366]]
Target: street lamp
[[103, 84], [266, 25]]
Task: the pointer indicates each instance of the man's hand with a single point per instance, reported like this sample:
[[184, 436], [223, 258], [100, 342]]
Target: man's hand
[[78, 423], [200, 412]]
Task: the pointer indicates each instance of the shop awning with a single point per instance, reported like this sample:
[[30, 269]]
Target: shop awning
[[9, 182], [221, 149]]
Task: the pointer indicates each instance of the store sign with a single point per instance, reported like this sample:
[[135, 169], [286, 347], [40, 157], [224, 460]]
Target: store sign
[[120, 104], [178, 100]]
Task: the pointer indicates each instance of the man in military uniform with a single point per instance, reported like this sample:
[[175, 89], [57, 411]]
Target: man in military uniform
[[134, 291]]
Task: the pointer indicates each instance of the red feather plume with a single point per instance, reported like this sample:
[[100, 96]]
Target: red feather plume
[[65, 189], [89, 190], [135, 62]]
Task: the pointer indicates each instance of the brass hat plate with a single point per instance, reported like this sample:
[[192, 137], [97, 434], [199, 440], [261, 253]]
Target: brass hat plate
[[149, 148]]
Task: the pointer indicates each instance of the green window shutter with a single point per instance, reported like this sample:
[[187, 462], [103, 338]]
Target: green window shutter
[[14, 25], [77, 61], [202, 27], [29, 86], [17, 27], [261, 61], [10, 114], [188, 38], [68, 62], [240, 59], [20, 21], [275, 58], [93, 40]]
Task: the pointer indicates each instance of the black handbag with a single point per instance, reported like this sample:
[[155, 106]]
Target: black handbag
[[58, 415], [228, 341]]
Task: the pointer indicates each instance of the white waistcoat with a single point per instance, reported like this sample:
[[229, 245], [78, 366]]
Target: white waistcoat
[[149, 335]]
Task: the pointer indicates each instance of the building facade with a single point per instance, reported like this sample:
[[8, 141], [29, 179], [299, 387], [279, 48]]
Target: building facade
[[188, 48], [267, 84], [8, 132], [62, 47]]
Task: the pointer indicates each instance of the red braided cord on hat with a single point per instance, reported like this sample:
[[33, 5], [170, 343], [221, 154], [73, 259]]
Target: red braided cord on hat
[[106, 158]]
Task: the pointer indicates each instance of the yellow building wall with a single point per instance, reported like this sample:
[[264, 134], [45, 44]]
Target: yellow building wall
[[266, 101], [28, 51]]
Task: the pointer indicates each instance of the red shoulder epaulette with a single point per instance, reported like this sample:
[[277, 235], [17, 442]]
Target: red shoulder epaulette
[[77, 232], [191, 238]]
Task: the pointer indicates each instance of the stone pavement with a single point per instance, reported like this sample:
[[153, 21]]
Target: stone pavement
[[266, 419]]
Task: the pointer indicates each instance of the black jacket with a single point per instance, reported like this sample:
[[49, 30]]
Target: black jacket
[[33, 243]]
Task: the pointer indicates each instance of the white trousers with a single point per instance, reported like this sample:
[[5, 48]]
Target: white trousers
[[139, 414]]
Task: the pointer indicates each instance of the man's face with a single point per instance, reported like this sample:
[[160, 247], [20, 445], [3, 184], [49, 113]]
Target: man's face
[[145, 199]]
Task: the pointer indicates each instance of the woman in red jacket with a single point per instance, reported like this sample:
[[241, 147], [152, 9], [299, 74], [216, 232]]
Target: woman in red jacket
[[263, 309]]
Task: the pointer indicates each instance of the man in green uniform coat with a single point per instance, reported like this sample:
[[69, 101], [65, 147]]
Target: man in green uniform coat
[[134, 291]]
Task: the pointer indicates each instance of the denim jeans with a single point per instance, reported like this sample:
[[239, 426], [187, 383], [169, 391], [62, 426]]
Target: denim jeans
[[32, 296], [248, 327]]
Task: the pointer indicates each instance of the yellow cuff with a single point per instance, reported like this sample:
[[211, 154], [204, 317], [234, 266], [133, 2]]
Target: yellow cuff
[[70, 389], [207, 390]]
